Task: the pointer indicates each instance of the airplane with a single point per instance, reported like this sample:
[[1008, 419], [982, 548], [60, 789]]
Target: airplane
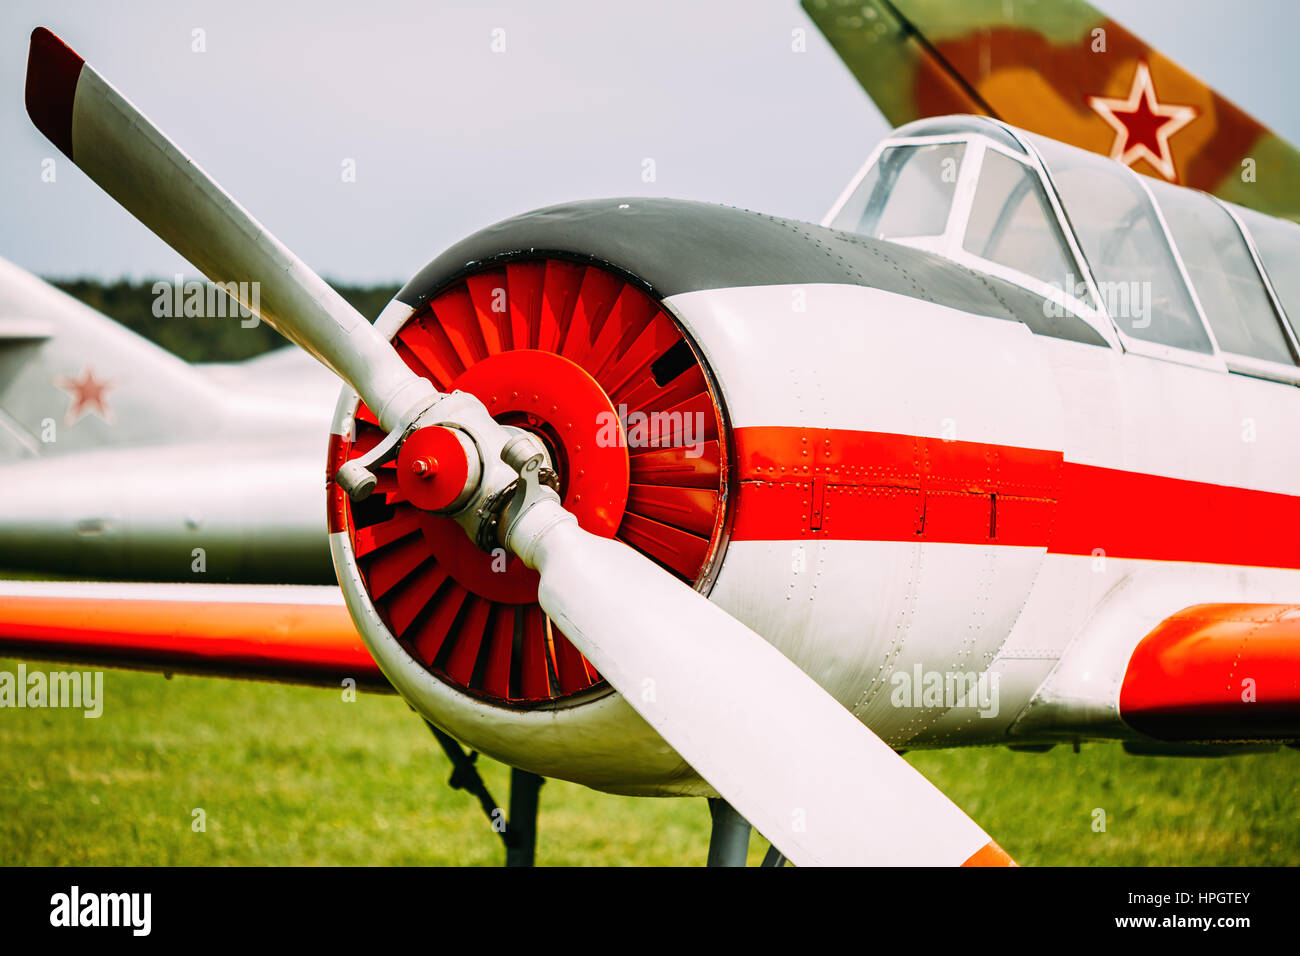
[[181, 486], [668, 498]]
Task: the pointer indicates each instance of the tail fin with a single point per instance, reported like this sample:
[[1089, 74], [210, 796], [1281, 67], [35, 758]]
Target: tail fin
[[73, 379], [1067, 71]]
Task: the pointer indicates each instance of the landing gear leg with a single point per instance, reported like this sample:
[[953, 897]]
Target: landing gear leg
[[773, 858], [519, 830], [729, 840], [521, 825]]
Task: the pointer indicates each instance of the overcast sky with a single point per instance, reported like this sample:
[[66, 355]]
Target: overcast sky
[[448, 136]]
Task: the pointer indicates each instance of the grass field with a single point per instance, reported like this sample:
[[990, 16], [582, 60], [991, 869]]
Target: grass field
[[290, 775]]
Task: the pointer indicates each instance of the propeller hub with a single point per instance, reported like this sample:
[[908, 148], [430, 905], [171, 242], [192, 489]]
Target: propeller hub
[[433, 467]]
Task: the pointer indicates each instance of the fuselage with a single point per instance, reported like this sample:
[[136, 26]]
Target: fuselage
[[930, 492]]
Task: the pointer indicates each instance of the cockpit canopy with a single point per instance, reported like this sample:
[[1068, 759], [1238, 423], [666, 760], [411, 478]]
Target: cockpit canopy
[[1155, 268]]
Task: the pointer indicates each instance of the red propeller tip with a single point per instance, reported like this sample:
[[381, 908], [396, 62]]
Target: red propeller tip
[[990, 854], [53, 70]]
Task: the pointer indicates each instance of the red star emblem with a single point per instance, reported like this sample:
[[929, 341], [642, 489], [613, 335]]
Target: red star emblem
[[87, 395], [1143, 124]]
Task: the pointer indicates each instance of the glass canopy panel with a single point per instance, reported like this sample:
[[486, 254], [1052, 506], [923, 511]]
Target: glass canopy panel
[[1012, 224], [1120, 234], [961, 127], [1278, 243], [907, 192], [1217, 259]]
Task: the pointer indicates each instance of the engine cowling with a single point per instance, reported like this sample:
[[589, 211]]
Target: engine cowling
[[619, 332]]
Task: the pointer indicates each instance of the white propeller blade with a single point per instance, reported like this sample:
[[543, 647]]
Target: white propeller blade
[[785, 754], [117, 147]]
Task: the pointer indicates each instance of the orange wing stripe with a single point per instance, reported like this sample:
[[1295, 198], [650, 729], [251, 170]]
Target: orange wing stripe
[[311, 643]]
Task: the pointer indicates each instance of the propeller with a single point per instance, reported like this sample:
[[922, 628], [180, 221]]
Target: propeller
[[786, 755], [131, 160]]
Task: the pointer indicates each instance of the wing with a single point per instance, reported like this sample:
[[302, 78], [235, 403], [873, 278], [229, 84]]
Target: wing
[[1067, 71], [1205, 675], [1217, 673], [292, 634]]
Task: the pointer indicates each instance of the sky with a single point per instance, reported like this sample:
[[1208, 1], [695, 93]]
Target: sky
[[446, 135]]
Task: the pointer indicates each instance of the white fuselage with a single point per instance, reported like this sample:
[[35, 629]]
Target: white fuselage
[[1040, 619]]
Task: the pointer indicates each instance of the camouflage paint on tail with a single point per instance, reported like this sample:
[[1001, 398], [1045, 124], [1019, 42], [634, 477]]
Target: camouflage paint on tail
[[1064, 70]]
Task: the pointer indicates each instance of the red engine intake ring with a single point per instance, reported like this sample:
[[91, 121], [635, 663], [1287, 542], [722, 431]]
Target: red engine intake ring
[[562, 349]]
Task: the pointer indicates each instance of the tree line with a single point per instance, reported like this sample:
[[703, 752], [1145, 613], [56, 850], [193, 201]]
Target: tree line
[[200, 338]]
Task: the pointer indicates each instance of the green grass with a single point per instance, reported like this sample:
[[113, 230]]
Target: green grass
[[291, 775]]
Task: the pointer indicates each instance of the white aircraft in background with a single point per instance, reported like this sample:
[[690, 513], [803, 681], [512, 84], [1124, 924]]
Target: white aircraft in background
[[221, 463]]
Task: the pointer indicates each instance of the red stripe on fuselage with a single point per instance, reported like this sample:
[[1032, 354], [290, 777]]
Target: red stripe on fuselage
[[878, 486], [1132, 515], [886, 487]]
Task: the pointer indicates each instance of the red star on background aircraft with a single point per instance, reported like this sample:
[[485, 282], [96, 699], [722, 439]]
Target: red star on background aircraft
[[1143, 124], [87, 395]]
